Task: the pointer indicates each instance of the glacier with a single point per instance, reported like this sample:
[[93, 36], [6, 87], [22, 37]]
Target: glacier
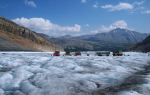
[[39, 73]]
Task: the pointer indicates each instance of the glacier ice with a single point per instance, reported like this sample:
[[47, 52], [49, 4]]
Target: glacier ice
[[42, 74]]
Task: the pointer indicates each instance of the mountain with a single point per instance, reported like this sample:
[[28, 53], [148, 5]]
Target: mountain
[[17, 38], [144, 45], [117, 36], [117, 39]]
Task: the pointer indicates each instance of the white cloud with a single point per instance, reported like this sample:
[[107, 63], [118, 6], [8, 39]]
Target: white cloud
[[87, 25], [146, 12], [118, 7], [30, 3], [140, 7], [96, 5], [135, 7], [118, 24], [139, 3], [44, 25], [83, 1]]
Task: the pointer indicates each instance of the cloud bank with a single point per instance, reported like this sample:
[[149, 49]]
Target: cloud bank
[[118, 7], [137, 6], [44, 25]]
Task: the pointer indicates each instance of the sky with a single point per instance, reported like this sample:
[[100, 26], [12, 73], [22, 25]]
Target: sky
[[78, 17]]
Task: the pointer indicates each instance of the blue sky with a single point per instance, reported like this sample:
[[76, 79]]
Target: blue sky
[[76, 17]]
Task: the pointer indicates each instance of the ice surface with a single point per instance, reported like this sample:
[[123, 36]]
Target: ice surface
[[41, 74], [129, 93]]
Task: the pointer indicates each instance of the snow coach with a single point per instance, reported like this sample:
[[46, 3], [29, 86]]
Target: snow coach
[[117, 53], [67, 53], [77, 53], [103, 53], [56, 53]]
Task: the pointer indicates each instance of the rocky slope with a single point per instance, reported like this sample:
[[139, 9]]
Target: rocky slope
[[17, 38], [144, 45]]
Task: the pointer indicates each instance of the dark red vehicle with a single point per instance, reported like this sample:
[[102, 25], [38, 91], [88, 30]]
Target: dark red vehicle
[[77, 53], [56, 53]]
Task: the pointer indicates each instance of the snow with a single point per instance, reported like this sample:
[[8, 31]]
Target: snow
[[41, 74], [129, 93]]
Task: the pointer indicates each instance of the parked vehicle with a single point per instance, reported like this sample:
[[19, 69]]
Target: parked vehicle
[[117, 53], [56, 53], [77, 53], [67, 53], [103, 53]]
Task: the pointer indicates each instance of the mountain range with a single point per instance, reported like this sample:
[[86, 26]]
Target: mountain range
[[14, 37], [117, 35], [117, 39]]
